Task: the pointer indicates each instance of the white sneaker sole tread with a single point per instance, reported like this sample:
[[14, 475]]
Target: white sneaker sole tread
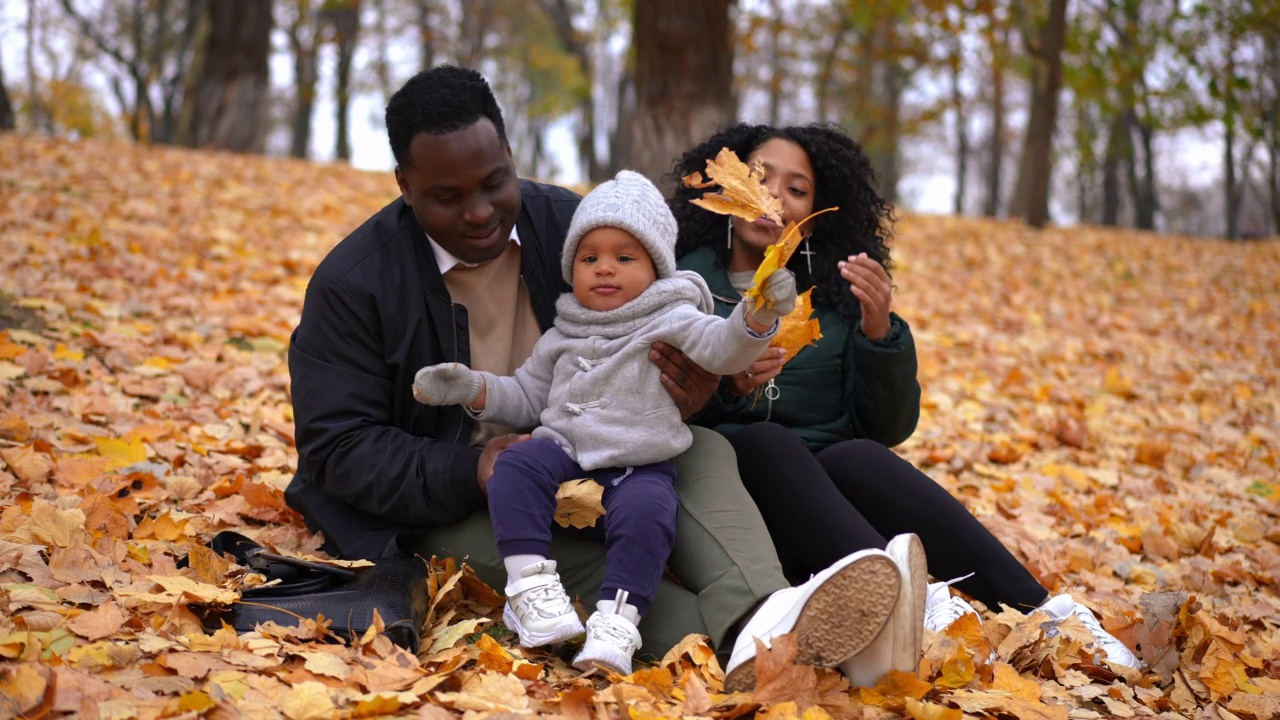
[[841, 618]]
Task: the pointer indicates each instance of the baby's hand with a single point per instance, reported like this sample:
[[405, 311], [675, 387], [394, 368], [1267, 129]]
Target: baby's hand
[[447, 384], [779, 293]]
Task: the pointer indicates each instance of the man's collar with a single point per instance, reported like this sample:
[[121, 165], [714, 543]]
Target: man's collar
[[446, 260]]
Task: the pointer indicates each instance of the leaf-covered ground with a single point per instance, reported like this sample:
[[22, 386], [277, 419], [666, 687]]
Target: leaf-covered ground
[[1107, 402]]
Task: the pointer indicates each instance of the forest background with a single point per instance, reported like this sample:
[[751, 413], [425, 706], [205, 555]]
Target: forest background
[[1153, 114], [1105, 400]]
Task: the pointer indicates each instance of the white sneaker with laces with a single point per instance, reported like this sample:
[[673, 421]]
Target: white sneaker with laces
[[539, 609], [941, 608], [898, 645], [1061, 607], [612, 636], [836, 614]]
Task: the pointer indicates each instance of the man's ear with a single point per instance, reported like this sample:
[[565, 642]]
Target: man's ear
[[403, 183]]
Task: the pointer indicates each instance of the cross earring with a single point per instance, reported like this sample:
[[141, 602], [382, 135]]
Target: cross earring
[[729, 235], [808, 256]]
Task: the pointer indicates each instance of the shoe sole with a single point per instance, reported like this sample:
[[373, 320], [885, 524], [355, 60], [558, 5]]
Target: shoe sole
[[908, 620], [530, 639], [839, 619]]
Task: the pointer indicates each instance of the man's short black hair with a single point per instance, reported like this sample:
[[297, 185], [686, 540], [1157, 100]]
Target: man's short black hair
[[439, 101]]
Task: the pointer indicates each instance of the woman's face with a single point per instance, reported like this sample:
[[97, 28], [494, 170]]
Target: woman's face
[[789, 176]]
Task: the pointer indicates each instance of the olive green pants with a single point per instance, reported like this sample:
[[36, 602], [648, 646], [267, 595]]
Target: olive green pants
[[723, 557]]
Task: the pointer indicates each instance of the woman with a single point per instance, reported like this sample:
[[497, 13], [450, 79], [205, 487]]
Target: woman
[[812, 442]]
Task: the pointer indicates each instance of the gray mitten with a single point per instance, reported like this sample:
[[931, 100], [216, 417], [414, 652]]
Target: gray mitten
[[447, 384], [779, 292]]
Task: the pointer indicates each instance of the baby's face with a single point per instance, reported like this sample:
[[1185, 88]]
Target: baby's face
[[610, 269]]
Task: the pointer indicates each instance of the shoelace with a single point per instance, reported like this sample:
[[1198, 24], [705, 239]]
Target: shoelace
[[613, 629], [939, 615], [546, 600], [943, 614]]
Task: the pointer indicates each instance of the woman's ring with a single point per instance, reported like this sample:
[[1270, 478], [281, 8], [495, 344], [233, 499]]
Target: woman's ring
[[750, 374]]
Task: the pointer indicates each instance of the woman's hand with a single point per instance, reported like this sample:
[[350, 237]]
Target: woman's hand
[[761, 372], [869, 282]]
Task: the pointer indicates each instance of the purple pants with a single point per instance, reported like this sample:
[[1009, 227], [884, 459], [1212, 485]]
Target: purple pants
[[639, 524]]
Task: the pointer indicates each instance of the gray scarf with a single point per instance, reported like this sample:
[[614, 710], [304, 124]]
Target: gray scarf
[[685, 287]]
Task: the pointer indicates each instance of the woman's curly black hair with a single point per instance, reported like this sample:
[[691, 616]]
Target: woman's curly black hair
[[843, 178]]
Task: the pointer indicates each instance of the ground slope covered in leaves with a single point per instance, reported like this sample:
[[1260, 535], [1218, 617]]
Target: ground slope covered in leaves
[[1107, 402]]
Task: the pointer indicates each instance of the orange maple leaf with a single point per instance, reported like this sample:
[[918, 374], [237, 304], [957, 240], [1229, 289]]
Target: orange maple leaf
[[742, 189], [799, 329]]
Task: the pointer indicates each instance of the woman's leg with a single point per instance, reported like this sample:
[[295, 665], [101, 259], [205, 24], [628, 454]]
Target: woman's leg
[[896, 498], [807, 516]]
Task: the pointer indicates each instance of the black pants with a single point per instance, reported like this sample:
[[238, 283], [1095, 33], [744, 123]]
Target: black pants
[[855, 495]]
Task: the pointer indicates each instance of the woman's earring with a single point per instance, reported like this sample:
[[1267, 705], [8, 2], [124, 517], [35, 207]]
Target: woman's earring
[[808, 255], [729, 235]]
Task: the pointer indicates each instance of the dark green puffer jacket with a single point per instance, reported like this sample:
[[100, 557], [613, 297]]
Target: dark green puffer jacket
[[844, 387]]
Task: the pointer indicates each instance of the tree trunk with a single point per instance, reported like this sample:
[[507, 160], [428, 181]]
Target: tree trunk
[[38, 117], [1116, 152], [344, 18], [777, 72], [305, 77], [1229, 178], [683, 81], [561, 16], [995, 156], [1272, 65], [226, 107], [827, 67], [7, 121], [1145, 201], [426, 35], [1031, 194], [962, 133]]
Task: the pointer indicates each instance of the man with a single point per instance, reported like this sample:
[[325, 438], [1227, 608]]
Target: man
[[465, 267]]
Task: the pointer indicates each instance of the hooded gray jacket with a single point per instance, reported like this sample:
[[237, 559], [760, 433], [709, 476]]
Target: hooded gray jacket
[[589, 384]]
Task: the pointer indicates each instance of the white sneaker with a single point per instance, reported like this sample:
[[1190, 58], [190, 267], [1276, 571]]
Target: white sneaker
[[1061, 607], [941, 608], [539, 609], [898, 645], [612, 637], [836, 614]]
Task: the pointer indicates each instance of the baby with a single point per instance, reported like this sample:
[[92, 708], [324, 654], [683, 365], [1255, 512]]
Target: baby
[[602, 413]]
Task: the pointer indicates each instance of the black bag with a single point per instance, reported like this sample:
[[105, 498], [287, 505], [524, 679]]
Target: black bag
[[395, 586]]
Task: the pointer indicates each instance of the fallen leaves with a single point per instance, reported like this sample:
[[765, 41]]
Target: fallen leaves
[[1123, 444]]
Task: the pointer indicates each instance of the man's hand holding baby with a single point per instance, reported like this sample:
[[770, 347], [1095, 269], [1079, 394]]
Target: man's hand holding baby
[[451, 384], [779, 293]]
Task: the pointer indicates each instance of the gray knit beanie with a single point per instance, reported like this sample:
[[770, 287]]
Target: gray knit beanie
[[628, 202]]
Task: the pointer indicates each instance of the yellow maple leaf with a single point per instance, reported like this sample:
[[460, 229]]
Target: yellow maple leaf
[[742, 190], [777, 256], [799, 329], [578, 503]]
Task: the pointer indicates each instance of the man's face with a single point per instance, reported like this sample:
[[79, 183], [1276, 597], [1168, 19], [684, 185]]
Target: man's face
[[463, 189]]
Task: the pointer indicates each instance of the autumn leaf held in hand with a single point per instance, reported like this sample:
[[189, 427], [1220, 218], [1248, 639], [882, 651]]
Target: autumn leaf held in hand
[[799, 329], [776, 256], [742, 190]]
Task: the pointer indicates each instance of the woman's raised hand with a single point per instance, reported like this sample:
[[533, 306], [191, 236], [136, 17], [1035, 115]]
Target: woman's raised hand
[[869, 282]]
